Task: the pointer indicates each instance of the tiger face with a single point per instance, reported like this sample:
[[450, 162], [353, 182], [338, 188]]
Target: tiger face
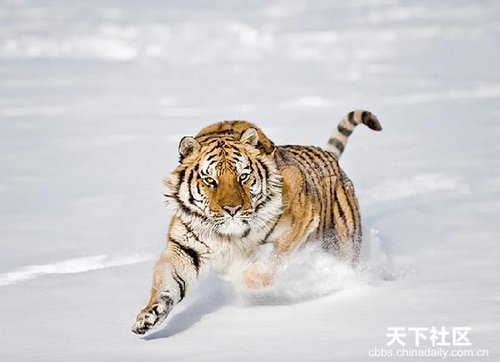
[[226, 185]]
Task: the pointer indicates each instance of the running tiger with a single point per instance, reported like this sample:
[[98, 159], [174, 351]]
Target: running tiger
[[234, 190]]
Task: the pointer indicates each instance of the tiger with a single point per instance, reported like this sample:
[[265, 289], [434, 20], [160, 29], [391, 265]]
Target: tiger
[[234, 190]]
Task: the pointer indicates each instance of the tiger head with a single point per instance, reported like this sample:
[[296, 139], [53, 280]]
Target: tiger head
[[227, 181]]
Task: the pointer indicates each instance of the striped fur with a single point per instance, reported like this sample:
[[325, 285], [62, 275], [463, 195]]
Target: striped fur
[[234, 190], [339, 137]]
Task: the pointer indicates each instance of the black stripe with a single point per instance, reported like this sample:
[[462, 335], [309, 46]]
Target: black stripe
[[215, 145], [247, 232], [189, 180], [346, 132], [351, 209], [258, 167], [182, 174], [255, 166], [364, 116], [193, 174], [340, 220], [234, 148], [210, 163], [350, 118], [193, 254], [309, 223], [337, 144], [263, 172], [266, 171], [196, 238], [218, 133], [185, 209], [337, 203], [264, 202], [271, 230], [181, 284]]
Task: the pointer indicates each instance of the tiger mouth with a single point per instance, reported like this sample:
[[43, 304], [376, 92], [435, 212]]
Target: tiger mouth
[[235, 226], [221, 219]]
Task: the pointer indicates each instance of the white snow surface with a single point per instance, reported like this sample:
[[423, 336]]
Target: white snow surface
[[94, 97]]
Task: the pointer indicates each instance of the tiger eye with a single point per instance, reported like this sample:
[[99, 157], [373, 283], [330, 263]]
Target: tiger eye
[[244, 177], [210, 181]]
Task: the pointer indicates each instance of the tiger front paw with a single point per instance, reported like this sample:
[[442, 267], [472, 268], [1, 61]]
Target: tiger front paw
[[259, 281], [258, 276], [152, 316]]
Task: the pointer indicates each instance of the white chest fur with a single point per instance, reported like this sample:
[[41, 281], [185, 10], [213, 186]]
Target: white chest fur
[[231, 254]]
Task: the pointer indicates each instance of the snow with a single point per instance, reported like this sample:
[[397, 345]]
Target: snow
[[94, 98]]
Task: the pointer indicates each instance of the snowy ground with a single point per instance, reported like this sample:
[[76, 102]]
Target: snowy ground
[[94, 98]]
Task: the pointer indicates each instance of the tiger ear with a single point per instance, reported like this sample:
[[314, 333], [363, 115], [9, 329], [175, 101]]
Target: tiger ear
[[250, 136], [188, 145]]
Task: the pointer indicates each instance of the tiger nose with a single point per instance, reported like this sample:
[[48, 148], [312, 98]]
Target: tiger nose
[[232, 210]]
